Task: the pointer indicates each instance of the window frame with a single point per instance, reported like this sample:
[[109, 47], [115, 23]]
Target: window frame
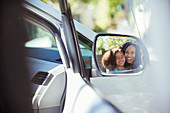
[[52, 25], [47, 25]]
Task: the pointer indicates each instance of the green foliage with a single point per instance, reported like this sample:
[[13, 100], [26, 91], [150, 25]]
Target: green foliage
[[45, 1], [85, 1], [94, 2], [110, 11], [111, 42], [113, 4], [98, 29], [54, 1]]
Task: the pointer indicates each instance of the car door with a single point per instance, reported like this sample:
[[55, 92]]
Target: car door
[[46, 57], [51, 15], [45, 64], [39, 10], [80, 97]]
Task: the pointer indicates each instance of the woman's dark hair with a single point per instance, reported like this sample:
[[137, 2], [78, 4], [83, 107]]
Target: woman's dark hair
[[108, 59], [137, 60]]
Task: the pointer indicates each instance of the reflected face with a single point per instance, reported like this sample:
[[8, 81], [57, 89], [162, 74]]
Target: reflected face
[[120, 59], [130, 53]]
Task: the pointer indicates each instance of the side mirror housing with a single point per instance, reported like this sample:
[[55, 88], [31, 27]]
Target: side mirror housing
[[117, 54]]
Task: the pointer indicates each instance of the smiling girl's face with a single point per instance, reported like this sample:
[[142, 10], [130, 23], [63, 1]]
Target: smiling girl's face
[[120, 59], [130, 53]]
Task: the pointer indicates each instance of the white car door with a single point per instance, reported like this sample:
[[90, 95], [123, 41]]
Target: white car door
[[46, 67]]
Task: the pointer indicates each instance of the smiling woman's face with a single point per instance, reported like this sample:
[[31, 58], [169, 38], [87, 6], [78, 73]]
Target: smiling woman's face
[[130, 53]]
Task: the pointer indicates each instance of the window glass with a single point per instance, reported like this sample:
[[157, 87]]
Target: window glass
[[41, 44], [39, 37], [86, 50]]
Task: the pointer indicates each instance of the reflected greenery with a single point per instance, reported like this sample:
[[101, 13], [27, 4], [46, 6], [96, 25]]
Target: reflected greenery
[[105, 43]]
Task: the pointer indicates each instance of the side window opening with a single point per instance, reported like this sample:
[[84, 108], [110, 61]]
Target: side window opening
[[86, 50], [41, 44], [39, 37]]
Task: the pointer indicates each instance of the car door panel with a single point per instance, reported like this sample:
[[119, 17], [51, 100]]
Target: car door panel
[[126, 92], [81, 98], [47, 54], [48, 95], [43, 56], [36, 65]]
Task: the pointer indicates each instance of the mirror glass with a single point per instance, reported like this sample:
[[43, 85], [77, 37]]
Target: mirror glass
[[117, 54]]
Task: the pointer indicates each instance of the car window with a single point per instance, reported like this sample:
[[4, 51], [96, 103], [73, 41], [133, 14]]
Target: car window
[[38, 37], [86, 50], [41, 44]]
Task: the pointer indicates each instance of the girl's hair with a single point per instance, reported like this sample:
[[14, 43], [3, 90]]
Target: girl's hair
[[137, 60], [108, 59], [118, 50]]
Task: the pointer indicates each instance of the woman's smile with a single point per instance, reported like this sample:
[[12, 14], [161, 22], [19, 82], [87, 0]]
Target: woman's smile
[[130, 54]]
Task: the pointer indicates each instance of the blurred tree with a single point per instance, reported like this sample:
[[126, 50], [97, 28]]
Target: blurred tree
[[116, 10], [106, 13], [45, 1]]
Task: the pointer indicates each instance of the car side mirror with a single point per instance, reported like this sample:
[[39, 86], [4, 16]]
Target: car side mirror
[[116, 54]]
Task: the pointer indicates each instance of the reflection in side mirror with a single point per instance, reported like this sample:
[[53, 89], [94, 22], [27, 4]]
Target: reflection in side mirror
[[114, 53]]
